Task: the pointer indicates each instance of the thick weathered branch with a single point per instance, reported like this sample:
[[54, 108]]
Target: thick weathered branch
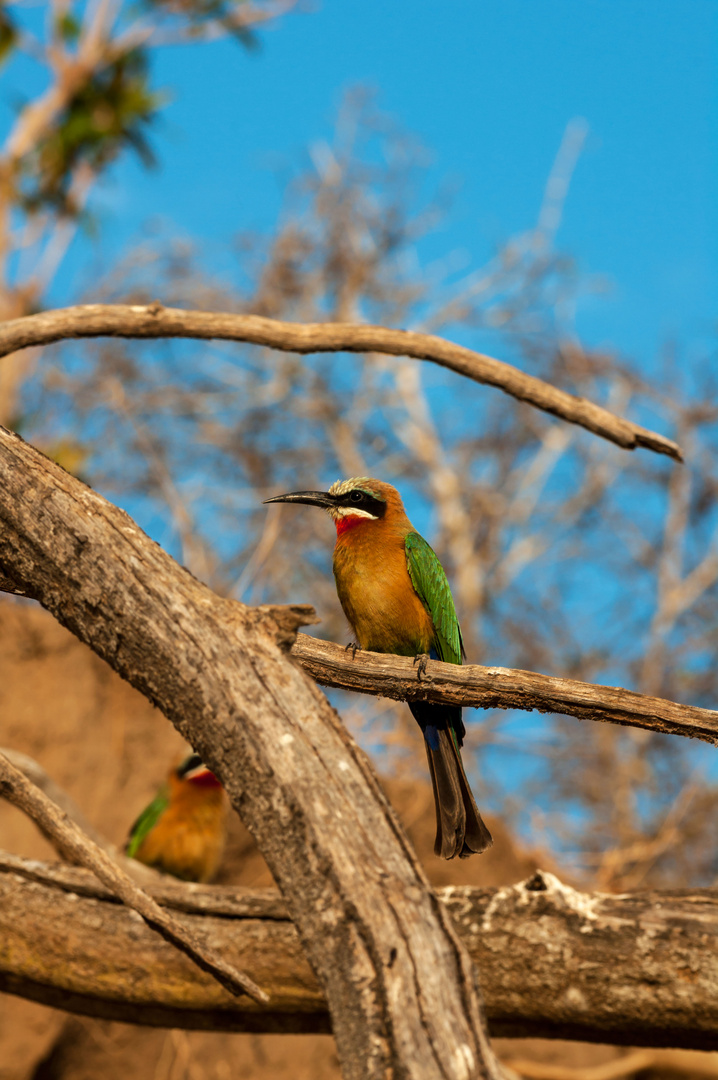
[[637, 969], [80, 849], [401, 987], [399, 678], [155, 321]]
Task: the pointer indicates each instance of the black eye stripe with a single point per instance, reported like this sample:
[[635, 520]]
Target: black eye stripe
[[189, 765], [361, 500]]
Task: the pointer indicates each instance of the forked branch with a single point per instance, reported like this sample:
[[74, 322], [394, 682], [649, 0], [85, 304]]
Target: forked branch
[[400, 986]]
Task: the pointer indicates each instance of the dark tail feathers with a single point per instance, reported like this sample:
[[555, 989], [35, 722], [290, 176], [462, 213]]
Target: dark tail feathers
[[460, 829]]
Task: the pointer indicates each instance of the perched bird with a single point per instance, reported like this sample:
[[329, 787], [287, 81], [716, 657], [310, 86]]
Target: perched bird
[[394, 593], [182, 831]]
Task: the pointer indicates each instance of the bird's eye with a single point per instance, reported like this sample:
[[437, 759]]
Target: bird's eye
[[356, 496]]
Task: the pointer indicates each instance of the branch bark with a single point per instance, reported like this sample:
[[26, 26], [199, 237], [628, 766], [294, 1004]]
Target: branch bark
[[155, 321], [637, 969], [401, 987], [472, 685]]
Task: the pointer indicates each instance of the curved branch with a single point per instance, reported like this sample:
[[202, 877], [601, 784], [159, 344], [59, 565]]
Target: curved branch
[[638, 969], [471, 685], [401, 987], [156, 321]]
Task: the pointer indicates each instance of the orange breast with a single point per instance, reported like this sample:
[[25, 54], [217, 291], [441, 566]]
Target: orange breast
[[376, 592], [188, 839]]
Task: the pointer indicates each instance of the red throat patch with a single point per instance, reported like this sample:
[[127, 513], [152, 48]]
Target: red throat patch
[[349, 521], [205, 779]]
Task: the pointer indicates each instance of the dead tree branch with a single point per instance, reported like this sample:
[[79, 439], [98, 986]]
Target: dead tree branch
[[155, 321], [37, 775], [641, 968], [498, 688], [401, 987], [81, 850]]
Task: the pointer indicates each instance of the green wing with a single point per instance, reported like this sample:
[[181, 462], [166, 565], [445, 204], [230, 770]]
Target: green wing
[[428, 578], [147, 821]]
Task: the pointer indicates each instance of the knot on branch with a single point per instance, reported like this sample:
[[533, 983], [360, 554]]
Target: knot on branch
[[287, 619], [536, 883]]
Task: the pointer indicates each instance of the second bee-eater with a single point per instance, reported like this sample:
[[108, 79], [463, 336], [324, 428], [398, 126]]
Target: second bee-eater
[[182, 831], [394, 593]]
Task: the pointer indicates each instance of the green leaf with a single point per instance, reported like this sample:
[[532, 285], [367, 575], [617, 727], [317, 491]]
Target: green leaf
[[68, 27], [111, 111]]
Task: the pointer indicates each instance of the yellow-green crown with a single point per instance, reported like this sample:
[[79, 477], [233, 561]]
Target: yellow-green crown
[[361, 483]]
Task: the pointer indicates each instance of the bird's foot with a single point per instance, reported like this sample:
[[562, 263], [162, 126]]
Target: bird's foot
[[353, 645], [421, 659]]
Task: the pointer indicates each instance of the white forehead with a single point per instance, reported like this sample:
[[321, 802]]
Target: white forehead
[[341, 487]]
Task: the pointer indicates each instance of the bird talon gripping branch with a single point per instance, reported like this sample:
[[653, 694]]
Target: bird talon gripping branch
[[421, 659], [394, 593], [353, 645]]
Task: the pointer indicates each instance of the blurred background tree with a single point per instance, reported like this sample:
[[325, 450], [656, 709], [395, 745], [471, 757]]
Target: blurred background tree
[[566, 555], [93, 64]]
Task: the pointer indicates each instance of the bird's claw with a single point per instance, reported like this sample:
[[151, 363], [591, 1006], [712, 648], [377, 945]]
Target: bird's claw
[[421, 659], [353, 645]]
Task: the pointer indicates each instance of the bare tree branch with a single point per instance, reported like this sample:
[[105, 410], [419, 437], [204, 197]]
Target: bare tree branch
[[397, 677], [475, 686], [401, 987], [155, 321], [37, 775], [554, 962], [78, 848]]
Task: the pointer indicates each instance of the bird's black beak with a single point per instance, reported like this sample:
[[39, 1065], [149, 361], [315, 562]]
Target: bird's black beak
[[312, 498]]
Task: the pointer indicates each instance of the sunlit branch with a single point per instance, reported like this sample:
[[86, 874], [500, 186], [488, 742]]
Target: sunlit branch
[[221, 672], [646, 940], [399, 677], [155, 321]]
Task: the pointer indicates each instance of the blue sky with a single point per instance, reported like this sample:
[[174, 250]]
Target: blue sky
[[488, 86]]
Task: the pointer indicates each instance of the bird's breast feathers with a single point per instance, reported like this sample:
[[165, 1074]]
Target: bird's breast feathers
[[376, 592]]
